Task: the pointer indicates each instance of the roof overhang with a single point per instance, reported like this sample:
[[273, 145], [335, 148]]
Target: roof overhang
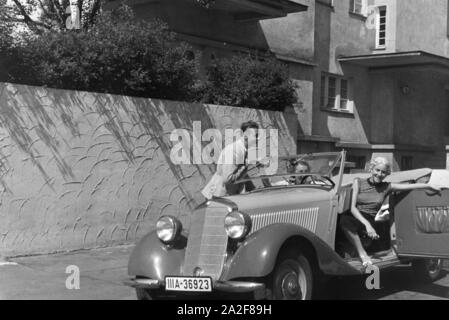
[[396, 60], [258, 9], [241, 10]]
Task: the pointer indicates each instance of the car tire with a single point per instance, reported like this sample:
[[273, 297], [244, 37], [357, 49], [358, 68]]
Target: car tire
[[427, 270], [292, 278]]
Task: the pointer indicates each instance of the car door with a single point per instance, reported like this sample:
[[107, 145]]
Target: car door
[[422, 224]]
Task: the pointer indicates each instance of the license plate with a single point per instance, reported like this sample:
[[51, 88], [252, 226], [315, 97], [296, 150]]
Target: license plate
[[192, 284]]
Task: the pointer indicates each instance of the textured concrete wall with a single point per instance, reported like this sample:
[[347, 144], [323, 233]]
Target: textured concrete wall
[[81, 170]]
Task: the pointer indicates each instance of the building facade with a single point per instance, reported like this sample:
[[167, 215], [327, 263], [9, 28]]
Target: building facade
[[400, 100], [373, 75]]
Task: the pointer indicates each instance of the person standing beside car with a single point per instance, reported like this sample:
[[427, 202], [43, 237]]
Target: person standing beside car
[[368, 196], [232, 165]]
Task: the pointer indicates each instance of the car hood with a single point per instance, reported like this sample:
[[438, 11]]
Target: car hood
[[276, 198]]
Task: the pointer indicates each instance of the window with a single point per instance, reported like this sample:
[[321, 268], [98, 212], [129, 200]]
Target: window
[[381, 32], [344, 94], [357, 6], [335, 93]]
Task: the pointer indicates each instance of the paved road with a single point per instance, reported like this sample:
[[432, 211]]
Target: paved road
[[102, 270], [44, 277]]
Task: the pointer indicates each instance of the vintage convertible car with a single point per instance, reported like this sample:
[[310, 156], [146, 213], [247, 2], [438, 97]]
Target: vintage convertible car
[[280, 239]]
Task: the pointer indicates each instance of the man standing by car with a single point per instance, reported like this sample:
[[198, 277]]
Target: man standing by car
[[232, 165]]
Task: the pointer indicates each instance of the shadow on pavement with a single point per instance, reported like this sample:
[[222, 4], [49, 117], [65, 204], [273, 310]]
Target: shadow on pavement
[[398, 283]]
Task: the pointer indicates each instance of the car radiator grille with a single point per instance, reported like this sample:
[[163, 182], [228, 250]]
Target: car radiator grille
[[207, 243], [306, 218]]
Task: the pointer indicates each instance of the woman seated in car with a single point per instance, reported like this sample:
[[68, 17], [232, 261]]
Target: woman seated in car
[[368, 195], [295, 167]]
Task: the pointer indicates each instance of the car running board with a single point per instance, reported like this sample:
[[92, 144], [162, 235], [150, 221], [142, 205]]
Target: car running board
[[379, 261]]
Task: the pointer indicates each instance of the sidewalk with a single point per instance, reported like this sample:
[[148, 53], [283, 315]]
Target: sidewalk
[[44, 278]]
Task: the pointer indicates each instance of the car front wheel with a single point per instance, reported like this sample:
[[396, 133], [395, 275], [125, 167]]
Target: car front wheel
[[293, 278], [427, 270]]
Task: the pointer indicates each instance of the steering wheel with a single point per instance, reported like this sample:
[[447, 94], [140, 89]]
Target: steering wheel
[[317, 180]]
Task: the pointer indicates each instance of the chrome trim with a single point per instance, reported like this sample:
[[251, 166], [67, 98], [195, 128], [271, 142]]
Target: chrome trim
[[230, 204], [177, 229], [144, 283], [224, 286], [306, 218], [246, 221], [207, 243], [238, 286], [403, 255]]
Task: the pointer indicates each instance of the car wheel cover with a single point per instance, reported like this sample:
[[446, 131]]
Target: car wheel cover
[[293, 283]]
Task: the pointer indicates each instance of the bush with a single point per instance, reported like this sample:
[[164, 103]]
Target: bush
[[117, 55], [246, 81], [6, 54], [122, 55]]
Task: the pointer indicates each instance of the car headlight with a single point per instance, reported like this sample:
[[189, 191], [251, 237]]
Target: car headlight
[[237, 225], [168, 228]]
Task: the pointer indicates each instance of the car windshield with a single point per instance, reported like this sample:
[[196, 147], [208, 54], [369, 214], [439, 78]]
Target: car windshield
[[290, 170]]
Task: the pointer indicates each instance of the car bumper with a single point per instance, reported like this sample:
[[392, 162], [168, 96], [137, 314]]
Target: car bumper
[[222, 286]]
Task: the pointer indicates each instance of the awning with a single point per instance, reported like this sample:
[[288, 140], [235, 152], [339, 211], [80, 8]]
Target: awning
[[399, 59]]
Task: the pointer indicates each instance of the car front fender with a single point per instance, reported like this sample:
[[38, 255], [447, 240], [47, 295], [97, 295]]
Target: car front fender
[[153, 259], [257, 255]]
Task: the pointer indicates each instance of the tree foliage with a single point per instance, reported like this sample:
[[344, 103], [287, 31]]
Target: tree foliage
[[43, 15], [122, 55], [247, 81], [206, 3], [118, 54]]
